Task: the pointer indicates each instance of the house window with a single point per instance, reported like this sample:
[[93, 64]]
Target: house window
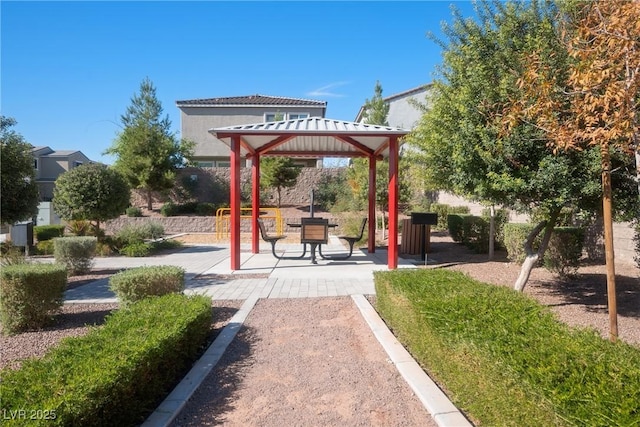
[[278, 116], [35, 164], [223, 164], [274, 117], [205, 164], [76, 164]]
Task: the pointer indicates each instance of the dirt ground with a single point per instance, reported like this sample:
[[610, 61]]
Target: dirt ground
[[304, 362]]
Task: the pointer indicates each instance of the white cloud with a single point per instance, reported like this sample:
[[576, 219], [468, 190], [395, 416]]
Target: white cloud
[[327, 90]]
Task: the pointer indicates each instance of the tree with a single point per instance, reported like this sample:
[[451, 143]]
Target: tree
[[462, 147], [92, 192], [19, 193], [278, 173], [148, 152], [375, 112], [596, 104]]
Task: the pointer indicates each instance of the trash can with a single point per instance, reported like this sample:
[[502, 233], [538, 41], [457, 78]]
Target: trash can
[[22, 234]]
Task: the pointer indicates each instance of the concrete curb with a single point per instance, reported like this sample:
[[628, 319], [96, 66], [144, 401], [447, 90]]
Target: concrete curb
[[444, 413], [177, 399]]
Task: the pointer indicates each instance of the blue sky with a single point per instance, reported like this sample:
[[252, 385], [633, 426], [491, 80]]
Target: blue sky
[[69, 69]]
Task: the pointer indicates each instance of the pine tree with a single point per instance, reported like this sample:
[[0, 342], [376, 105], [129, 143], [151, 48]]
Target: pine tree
[[148, 152]]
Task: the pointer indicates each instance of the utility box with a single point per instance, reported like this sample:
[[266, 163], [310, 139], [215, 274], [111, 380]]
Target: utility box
[[22, 234]]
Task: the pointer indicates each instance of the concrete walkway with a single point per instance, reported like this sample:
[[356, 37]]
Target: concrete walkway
[[208, 273]]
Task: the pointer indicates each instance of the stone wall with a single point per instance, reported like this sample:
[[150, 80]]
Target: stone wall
[[212, 185]]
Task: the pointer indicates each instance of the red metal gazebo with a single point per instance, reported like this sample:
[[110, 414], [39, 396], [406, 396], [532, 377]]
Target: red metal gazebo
[[311, 137]]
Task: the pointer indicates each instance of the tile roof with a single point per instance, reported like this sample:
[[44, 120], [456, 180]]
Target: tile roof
[[260, 100]]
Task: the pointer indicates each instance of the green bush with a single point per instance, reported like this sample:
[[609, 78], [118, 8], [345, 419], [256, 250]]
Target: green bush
[[76, 253], [475, 233], [118, 373], [636, 240], [169, 209], [501, 218], [137, 283], [564, 252], [205, 209], [135, 233], [30, 295], [443, 211], [80, 228], [137, 250], [515, 234], [133, 212], [44, 247], [455, 225], [48, 232], [504, 358], [11, 254]]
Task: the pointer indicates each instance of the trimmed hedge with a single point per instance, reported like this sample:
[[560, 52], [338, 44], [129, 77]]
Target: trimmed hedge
[[565, 251], [443, 211], [118, 373], [48, 232], [30, 295], [76, 252], [503, 358], [137, 283]]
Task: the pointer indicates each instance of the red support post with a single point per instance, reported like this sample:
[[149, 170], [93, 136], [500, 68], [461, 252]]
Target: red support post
[[255, 203], [235, 202], [372, 205], [393, 204]]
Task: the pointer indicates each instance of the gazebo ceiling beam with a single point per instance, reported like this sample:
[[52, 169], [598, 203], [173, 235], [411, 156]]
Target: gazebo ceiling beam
[[356, 144], [298, 153], [275, 143], [244, 144]]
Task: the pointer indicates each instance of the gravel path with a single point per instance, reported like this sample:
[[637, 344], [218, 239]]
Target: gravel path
[[303, 362]]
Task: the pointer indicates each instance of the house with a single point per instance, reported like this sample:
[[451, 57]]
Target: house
[[404, 107], [405, 110], [49, 164], [197, 116]]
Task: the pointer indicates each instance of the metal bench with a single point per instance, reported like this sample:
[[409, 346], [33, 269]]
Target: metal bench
[[351, 240], [273, 239]]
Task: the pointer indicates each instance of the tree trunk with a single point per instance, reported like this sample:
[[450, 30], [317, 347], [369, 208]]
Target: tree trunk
[[533, 257], [149, 200], [608, 242], [492, 231]]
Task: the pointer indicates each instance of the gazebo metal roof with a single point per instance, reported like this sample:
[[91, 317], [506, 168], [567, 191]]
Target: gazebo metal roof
[[313, 136]]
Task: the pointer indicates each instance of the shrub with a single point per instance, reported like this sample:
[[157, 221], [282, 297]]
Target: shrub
[[475, 233], [48, 232], [564, 252], [137, 283], [205, 209], [138, 233], [133, 212], [169, 209], [30, 293], [504, 357], [501, 218], [636, 240], [137, 249], [80, 228], [118, 373], [515, 235], [443, 211], [455, 225], [76, 253], [11, 254], [44, 247]]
